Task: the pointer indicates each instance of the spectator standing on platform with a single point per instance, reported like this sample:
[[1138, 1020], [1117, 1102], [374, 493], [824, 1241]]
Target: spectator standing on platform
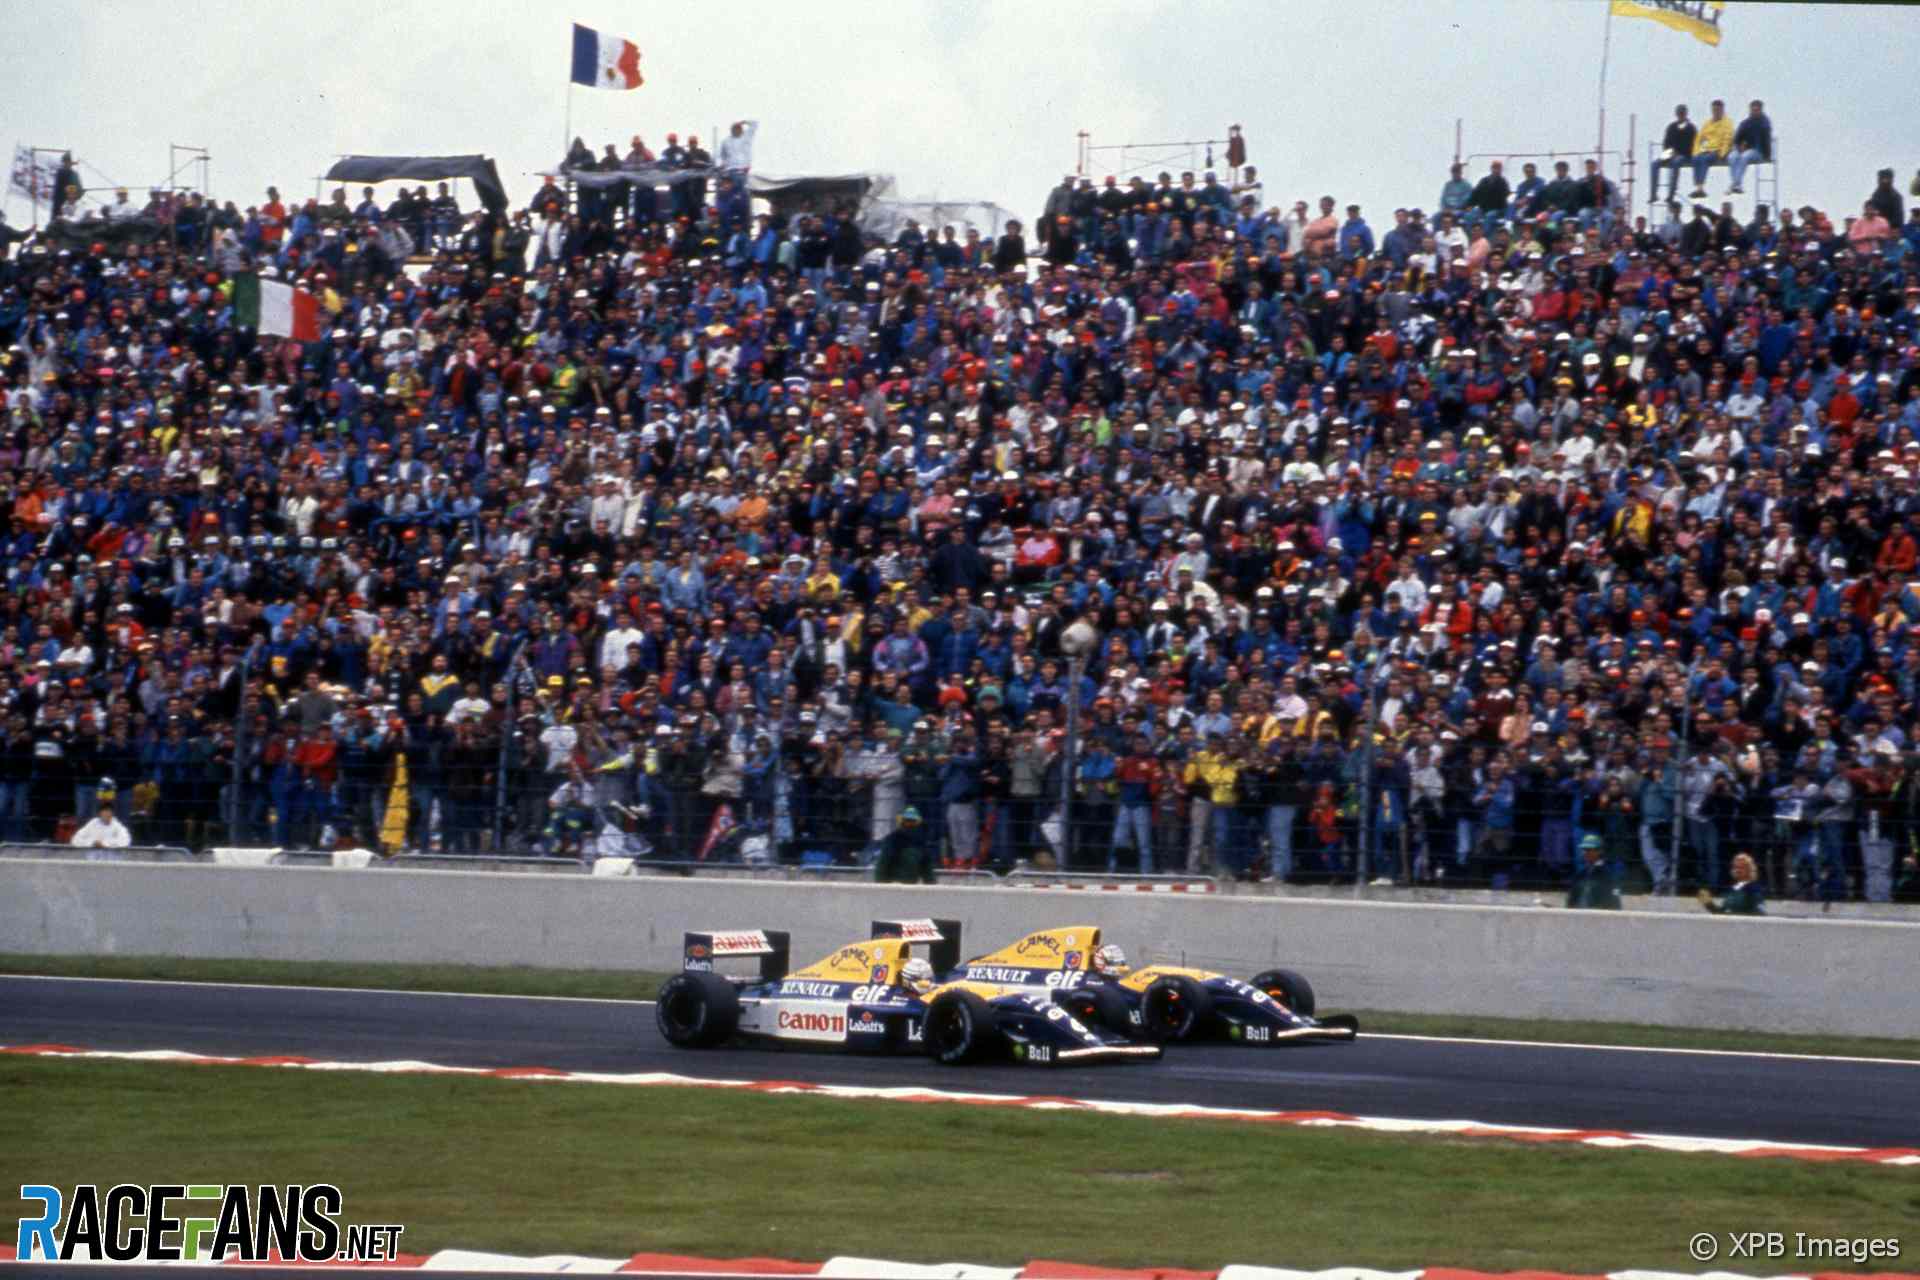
[[1676, 154], [1752, 144], [66, 188], [1886, 199], [1599, 198], [1491, 193], [1712, 145], [1527, 196], [735, 152]]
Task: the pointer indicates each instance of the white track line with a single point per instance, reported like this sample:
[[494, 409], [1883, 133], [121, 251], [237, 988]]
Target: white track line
[[299, 986], [1643, 1048], [1369, 1035], [1606, 1139]]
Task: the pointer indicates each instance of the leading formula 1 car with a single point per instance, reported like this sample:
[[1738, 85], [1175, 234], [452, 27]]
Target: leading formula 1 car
[[1159, 1003], [873, 996]]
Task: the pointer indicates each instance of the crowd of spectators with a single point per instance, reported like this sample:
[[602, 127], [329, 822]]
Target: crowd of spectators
[[1521, 529]]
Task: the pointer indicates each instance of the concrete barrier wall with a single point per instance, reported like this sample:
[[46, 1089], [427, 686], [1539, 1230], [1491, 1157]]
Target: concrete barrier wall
[[1788, 975]]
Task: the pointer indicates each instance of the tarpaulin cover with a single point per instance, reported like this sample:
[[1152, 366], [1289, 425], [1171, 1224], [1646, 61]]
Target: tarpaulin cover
[[115, 235], [645, 175], [816, 194], [477, 169]]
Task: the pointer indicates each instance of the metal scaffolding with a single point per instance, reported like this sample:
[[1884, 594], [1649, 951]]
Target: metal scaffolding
[[1623, 160], [1131, 158]]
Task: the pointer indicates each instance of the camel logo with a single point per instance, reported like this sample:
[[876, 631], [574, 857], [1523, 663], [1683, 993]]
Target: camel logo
[[1038, 944], [852, 960]]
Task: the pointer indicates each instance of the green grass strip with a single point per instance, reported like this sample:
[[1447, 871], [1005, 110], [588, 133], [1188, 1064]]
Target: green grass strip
[[527, 1168]]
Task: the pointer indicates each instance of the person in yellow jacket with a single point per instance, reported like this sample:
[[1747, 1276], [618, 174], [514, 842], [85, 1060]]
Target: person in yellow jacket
[[1212, 773], [1713, 145]]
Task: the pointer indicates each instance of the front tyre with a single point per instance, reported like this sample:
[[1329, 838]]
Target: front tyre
[[696, 1010], [1289, 988], [1174, 1009], [1101, 1007], [960, 1029]]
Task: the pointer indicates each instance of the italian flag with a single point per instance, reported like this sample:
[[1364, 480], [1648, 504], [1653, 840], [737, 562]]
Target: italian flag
[[270, 307]]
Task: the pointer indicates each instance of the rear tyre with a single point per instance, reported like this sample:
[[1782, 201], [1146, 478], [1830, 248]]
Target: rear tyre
[[1174, 1009], [960, 1029], [696, 1010], [1289, 988], [1101, 1008]]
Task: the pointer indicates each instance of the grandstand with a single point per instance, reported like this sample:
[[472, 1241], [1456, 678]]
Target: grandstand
[[680, 515]]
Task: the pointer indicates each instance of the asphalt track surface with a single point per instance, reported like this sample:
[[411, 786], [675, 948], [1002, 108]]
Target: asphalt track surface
[[1749, 1096]]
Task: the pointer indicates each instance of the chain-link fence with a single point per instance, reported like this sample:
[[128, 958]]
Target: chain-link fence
[[909, 806]]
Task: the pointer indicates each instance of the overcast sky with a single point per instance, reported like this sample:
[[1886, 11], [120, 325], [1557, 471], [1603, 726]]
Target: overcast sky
[[1349, 98]]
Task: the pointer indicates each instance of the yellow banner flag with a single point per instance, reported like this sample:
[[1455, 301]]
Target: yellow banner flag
[[393, 828], [1698, 18]]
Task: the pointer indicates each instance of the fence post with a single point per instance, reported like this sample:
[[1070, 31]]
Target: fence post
[[1076, 671], [511, 727], [1362, 863], [234, 799], [777, 771], [1681, 755]]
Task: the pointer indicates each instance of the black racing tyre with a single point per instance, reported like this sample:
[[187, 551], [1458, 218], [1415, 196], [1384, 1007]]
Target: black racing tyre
[[1289, 988], [1175, 1008], [1100, 1007], [696, 1010], [960, 1029]]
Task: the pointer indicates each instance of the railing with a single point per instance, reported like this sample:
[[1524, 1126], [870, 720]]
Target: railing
[[1341, 821], [132, 853]]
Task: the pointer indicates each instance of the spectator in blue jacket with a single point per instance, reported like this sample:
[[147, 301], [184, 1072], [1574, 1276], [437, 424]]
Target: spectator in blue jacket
[[1752, 144], [1356, 237]]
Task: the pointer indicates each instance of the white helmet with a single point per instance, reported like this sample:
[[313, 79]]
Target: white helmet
[[917, 975], [1110, 960]]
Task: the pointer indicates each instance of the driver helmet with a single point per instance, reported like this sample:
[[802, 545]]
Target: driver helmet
[[917, 976], [1110, 961]]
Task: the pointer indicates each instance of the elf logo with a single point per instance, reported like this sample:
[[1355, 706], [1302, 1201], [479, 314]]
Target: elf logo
[[180, 1222]]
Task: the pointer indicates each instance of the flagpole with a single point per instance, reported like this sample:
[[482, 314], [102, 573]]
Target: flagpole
[[566, 143], [1606, 49]]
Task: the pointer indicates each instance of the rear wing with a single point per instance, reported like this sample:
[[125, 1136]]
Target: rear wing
[[773, 946], [941, 938]]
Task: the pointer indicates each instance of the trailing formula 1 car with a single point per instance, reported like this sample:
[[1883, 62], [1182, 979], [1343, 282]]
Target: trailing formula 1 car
[[872, 996], [1159, 1003]]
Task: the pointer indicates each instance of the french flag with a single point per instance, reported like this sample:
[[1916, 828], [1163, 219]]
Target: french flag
[[604, 62]]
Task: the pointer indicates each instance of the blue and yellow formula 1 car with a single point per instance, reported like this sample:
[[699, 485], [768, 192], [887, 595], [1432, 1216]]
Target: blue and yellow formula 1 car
[[873, 996], [1160, 1003]]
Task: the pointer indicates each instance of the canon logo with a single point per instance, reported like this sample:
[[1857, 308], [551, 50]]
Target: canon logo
[[811, 1021]]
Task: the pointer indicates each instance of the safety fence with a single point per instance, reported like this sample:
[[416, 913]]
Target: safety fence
[[1555, 830]]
